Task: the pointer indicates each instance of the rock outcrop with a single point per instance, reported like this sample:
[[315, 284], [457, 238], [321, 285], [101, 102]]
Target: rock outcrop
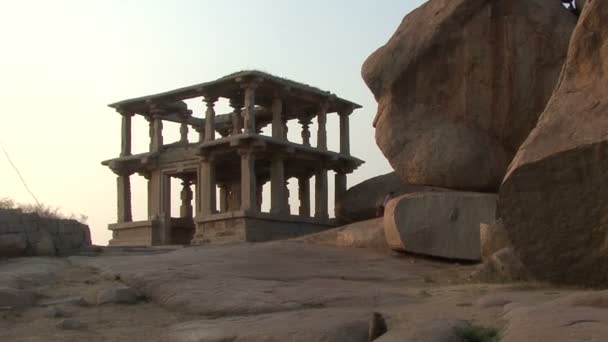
[[24, 234], [553, 200], [361, 201], [362, 234], [441, 224], [461, 84]]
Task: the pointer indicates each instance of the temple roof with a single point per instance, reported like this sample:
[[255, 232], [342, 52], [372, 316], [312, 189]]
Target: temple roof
[[299, 96]]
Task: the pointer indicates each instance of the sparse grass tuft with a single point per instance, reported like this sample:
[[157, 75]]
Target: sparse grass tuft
[[42, 210], [477, 334]]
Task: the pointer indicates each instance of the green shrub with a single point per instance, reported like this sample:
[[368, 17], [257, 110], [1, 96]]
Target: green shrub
[[477, 334]]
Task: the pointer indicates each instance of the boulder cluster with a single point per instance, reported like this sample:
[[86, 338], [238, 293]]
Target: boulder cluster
[[504, 97]]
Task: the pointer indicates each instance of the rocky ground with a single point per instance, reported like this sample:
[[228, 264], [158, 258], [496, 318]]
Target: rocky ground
[[278, 291]]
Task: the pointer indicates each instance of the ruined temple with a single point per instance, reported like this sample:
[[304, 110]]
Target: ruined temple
[[231, 161]]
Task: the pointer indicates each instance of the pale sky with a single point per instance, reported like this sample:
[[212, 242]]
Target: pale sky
[[62, 62]]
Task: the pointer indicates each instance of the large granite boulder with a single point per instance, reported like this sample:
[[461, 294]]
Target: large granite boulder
[[440, 224], [361, 202], [460, 85], [554, 198]]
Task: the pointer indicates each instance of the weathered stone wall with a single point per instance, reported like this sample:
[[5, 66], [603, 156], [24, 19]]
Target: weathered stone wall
[[29, 234]]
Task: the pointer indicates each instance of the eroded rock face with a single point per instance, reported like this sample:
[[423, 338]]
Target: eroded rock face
[[553, 200], [461, 84], [361, 201]]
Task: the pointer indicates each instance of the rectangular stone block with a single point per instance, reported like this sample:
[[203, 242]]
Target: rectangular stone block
[[441, 224]]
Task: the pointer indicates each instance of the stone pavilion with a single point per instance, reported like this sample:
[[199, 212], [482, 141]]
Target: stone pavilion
[[224, 171]]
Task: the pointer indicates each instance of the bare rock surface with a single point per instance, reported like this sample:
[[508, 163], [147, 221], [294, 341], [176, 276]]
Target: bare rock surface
[[578, 317], [494, 237], [336, 325], [275, 291], [460, 85], [361, 201], [363, 234], [249, 279], [117, 295], [553, 199], [440, 224]]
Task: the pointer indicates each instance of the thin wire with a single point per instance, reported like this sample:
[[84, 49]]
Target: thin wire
[[19, 174]]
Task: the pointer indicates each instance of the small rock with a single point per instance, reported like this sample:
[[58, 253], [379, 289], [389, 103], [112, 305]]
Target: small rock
[[70, 324], [55, 312], [118, 295]]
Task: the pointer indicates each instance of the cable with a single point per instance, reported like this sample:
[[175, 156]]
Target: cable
[[19, 174]]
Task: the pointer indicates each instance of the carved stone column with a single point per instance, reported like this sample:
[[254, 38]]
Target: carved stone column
[[125, 146], [278, 131], [156, 132], [183, 130], [207, 185], [237, 118], [185, 210], [278, 190], [248, 181], [304, 195], [123, 182], [321, 194], [249, 107], [344, 132], [223, 197], [340, 188], [201, 133], [210, 117], [305, 122], [322, 129]]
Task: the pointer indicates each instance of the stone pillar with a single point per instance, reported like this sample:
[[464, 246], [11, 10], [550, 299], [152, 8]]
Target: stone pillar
[[183, 130], [208, 186], [278, 130], [156, 131], [234, 197], [321, 195], [237, 118], [223, 197], [322, 129], [259, 193], [249, 107], [123, 183], [304, 195], [305, 122], [210, 118], [125, 146], [344, 132], [278, 190], [185, 210], [201, 133], [340, 188], [248, 181], [159, 206]]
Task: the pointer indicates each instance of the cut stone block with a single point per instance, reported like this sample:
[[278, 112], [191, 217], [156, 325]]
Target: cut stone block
[[440, 224]]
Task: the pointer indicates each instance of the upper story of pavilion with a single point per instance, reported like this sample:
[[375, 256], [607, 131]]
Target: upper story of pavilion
[[257, 99]]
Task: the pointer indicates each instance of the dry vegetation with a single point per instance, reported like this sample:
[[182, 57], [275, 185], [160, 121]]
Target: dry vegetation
[[41, 210]]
